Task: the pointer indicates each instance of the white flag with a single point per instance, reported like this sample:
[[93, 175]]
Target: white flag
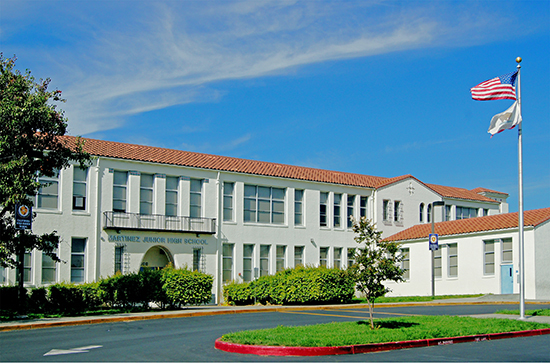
[[505, 120]]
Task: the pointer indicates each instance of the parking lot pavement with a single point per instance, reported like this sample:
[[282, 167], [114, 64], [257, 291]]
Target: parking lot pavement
[[23, 324]]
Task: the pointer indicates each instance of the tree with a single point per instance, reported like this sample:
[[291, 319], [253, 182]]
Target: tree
[[376, 262], [30, 147]]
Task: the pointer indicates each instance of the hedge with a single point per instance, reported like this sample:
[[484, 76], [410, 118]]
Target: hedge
[[301, 285], [162, 287]]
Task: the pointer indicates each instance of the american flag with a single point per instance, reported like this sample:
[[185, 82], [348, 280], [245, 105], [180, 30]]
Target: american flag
[[498, 88]]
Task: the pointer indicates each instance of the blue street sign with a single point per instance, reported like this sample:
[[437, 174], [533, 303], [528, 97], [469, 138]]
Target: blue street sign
[[23, 216], [434, 240]]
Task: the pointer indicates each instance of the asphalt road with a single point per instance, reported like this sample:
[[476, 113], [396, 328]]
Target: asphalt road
[[192, 339]]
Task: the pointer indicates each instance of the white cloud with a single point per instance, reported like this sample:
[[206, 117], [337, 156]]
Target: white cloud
[[161, 54]]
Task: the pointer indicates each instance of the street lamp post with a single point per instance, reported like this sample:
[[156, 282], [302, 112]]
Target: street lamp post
[[438, 203]]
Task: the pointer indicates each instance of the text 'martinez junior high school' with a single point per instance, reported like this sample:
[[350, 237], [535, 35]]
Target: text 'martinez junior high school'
[[142, 207]]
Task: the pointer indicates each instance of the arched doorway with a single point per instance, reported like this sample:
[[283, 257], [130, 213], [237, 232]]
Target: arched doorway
[[156, 258]]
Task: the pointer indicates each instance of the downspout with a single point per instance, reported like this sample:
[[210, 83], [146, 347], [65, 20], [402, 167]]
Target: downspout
[[218, 279], [97, 221]]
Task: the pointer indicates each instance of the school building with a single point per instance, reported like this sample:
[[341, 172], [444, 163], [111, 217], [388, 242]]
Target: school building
[[139, 207]]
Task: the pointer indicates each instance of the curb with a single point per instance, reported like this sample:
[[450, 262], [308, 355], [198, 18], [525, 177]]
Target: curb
[[184, 314], [367, 348]]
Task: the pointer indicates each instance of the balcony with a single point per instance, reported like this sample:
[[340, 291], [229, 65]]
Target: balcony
[[159, 223]]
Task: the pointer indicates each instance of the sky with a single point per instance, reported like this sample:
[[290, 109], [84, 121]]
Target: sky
[[379, 88]]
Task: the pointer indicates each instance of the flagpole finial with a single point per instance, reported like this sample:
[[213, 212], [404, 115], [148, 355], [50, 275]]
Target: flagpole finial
[[518, 60]]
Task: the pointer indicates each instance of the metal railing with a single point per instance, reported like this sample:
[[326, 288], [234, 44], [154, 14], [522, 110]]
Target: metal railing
[[156, 222]]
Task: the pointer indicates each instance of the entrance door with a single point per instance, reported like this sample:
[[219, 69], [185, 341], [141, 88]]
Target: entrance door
[[506, 279], [156, 258]]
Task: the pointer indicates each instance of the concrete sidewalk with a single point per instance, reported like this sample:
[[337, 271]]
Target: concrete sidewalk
[[25, 324]]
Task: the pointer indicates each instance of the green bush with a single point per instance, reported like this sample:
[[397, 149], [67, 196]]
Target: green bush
[[38, 300], [301, 285], [185, 287], [8, 298], [66, 298], [92, 295], [238, 293]]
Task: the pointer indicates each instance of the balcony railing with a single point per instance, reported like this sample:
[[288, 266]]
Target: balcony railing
[[155, 222]]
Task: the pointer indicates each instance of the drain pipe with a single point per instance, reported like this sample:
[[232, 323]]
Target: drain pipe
[[218, 239]]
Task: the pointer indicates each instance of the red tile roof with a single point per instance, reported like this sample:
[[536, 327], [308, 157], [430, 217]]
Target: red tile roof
[[482, 190], [472, 225], [223, 163]]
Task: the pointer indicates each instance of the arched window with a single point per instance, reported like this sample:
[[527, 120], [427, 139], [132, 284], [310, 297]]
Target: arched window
[[421, 216], [429, 219]]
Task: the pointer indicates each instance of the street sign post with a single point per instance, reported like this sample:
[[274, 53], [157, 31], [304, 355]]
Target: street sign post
[[434, 242]]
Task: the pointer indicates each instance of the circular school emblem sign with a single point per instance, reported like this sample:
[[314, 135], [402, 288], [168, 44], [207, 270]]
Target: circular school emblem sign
[[23, 216]]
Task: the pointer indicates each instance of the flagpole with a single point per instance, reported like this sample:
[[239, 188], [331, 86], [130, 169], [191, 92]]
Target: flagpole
[[520, 213]]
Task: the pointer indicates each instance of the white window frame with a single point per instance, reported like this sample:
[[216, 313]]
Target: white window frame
[[228, 198], [299, 256], [228, 249], [363, 206], [81, 254], [46, 191], [323, 209], [146, 193], [351, 209], [48, 264], [489, 258], [337, 209], [323, 256], [171, 193], [195, 197], [452, 258], [248, 259], [265, 260], [337, 257], [280, 261], [254, 200], [299, 207], [79, 197], [406, 263], [124, 194]]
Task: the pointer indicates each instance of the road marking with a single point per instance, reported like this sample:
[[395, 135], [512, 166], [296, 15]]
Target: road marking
[[72, 351], [334, 315]]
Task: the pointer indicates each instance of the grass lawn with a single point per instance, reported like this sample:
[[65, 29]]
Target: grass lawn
[[538, 312], [392, 299], [389, 330]]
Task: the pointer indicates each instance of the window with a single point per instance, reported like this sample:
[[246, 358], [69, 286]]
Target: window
[[2, 275], [406, 263], [323, 256], [337, 258], [228, 189], [79, 188], [146, 194], [421, 213], [171, 202], [323, 209], [119, 258], [465, 212], [48, 193], [120, 180], [298, 256], [27, 267], [386, 212], [448, 212], [195, 198], [48, 269], [281, 252], [298, 207], [78, 248], [248, 265], [489, 257], [453, 260], [437, 263], [264, 204], [351, 204], [398, 211], [485, 212], [363, 206], [351, 256], [429, 214], [198, 259], [337, 209], [227, 262], [507, 251], [264, 260]]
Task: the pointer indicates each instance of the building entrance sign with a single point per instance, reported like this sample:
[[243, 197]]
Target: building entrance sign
[[156, 239]]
